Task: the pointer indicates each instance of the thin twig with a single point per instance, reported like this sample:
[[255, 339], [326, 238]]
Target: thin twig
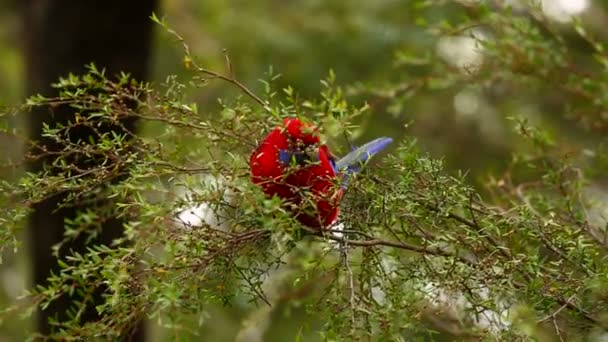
[[214, 74], [372, 242], [351, 285], [258, 292]]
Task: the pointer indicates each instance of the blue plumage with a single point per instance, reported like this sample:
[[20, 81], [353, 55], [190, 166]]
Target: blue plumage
[[354, 161]]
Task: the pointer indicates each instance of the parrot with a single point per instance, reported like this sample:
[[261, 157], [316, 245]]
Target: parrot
[[292, 163]]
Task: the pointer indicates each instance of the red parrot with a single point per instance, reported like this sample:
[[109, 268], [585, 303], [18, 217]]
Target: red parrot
[[292, 163]]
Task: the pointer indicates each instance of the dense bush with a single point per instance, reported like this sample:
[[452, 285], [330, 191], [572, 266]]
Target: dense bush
[[423, 251]]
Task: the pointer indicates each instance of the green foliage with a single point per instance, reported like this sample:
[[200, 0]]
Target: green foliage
[[424, 252]]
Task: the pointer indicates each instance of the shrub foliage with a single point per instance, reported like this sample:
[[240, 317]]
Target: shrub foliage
[[421, 250]]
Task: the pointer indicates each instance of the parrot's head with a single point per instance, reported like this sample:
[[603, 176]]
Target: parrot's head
[[290, 158], [304, 145]]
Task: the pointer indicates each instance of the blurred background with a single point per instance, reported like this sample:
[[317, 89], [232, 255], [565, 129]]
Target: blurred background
[[380, 51]]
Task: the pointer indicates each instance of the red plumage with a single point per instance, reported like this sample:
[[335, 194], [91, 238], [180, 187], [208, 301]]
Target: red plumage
[[310, 189]]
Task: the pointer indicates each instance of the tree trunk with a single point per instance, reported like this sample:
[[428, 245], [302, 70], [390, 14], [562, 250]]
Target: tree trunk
[[61, 37]]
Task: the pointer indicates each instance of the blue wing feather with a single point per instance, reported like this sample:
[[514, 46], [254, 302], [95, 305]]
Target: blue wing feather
[[354, 161], [358, 157]]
